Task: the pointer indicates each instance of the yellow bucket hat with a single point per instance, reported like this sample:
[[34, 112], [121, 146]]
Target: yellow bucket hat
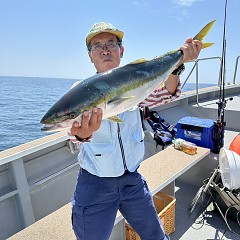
[[103, 27]]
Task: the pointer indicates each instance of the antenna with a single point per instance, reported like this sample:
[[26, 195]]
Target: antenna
[[221, 103]]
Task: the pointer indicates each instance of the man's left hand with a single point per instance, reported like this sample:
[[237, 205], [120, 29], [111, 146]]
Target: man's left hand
[[191, 49]]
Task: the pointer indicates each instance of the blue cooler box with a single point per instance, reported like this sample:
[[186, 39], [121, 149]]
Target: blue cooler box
[[196, 130]]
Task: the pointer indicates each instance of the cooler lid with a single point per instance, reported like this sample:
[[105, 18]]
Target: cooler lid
[[200, 122]]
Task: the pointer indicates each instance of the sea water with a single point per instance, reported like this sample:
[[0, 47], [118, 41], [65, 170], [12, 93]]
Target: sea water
[[24, 101]]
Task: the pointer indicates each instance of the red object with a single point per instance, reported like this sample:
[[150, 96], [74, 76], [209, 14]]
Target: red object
[[235, 144]]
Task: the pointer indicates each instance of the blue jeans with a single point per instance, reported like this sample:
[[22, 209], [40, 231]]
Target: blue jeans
[[97, 200]]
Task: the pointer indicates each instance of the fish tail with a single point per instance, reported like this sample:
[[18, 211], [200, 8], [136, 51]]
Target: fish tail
[[207, 44], [203, 32]]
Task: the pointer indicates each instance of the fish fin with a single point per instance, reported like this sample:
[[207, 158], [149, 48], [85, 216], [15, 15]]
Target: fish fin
[[161, 85], [203, 32], [115, 119], [207, 44], [141, 60], [118, 100]]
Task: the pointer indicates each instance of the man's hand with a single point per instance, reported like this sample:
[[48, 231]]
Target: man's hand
[[88, 124], [191, 49]]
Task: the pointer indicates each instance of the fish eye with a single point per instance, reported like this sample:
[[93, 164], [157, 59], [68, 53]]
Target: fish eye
[[72, 115]]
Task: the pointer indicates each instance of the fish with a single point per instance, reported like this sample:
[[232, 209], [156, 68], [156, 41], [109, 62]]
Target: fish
[[114, 91]]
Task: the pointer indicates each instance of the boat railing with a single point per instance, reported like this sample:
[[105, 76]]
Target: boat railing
[[30, 183], [235, 70], [196, 66]]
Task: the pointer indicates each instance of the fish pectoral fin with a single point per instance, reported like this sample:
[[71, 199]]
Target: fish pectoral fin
[[204, 31], [118, 100], [115, 119]]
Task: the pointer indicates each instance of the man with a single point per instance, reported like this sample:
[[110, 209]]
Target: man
[[110, 153]]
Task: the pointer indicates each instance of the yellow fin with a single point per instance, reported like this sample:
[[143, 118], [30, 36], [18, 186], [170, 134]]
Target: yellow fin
[[207, 44], [115, 119], [204, 31], [161, 85], [141, 60]]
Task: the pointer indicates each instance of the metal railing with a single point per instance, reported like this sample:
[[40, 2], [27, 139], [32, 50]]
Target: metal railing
[[235, 70], [196, 66]]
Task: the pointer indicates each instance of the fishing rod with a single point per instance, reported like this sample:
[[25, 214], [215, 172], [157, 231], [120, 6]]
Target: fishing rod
[[218, 134], [219, 125]]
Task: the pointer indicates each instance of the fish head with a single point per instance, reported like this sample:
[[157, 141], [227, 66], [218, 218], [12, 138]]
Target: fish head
[[57, 121], [62, 114], [70, 106]]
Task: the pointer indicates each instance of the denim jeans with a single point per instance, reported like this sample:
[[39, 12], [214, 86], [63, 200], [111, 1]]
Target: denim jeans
[[97, 200]]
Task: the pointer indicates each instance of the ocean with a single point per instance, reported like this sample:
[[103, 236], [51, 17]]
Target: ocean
[[24, 101]]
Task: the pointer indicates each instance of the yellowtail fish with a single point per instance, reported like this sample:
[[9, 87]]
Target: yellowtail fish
[[115, 91]]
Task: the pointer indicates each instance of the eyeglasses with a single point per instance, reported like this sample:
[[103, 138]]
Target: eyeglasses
[[99, 47]]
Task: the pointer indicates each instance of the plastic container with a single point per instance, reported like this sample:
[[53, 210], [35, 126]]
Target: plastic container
[[229, 165], [235, 145], [196, 130], [185, 146]]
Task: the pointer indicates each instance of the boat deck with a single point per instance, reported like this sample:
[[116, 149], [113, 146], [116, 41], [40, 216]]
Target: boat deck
[[173, 164], [208, 225], [55, 226]]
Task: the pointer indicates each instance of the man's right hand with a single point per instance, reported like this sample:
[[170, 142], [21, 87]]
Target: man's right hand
[[89, 124]]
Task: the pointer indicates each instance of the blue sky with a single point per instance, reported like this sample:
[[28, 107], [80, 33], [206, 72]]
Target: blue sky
[[46, 38]]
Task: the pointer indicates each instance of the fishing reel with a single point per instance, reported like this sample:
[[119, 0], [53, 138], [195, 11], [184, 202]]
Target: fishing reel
[[222, 105], [219, 126]]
